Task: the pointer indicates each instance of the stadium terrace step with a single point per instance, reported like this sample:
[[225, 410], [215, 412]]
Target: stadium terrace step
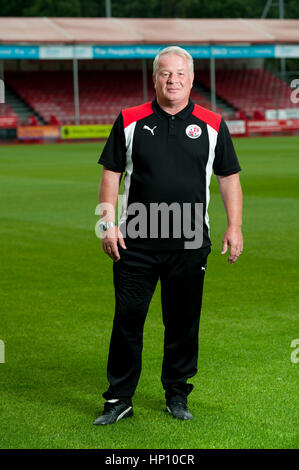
[[19, 107], [222, 107]]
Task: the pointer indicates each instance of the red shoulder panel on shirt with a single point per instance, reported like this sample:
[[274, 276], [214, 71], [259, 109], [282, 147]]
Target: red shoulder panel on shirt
[[209, 117], [135, 114]]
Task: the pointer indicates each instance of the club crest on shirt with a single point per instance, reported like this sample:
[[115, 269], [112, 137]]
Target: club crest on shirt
[[193, 131]]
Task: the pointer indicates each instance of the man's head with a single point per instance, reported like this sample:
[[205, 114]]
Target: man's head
[[173, 76]]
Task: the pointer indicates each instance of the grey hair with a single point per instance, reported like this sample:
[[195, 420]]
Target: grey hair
[[173, 50]]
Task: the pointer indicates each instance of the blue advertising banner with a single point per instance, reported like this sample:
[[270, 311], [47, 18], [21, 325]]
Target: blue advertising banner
[[145, 51], [125, 52], [197, 52], [239, 52], [19, 52]]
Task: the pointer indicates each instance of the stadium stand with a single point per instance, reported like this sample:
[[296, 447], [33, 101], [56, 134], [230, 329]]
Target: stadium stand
[[101, 94], [39, 96], [251, 91]]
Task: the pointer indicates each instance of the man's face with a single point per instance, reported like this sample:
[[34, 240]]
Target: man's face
[[174, 81]]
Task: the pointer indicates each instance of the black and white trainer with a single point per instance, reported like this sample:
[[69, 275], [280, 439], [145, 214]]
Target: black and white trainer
[[179, 410], [114, 410]]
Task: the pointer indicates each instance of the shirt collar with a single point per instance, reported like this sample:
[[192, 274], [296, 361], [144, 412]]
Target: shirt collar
[[183, 114]]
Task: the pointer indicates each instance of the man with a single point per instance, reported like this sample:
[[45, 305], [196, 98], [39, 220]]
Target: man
[[168, 149]]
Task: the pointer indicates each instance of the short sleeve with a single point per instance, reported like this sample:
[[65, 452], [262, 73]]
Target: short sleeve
[[226, 161], [113, 156]]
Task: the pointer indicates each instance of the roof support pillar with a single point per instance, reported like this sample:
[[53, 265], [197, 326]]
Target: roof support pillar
[[108, 8], [2, 88], [144, 80], [76, 89], [213, 83], [282, 60], [276, 91]]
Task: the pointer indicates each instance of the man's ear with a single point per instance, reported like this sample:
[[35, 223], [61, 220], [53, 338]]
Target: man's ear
[[154, 80]]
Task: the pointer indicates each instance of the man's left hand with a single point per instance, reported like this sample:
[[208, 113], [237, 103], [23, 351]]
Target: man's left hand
[[232, 238]]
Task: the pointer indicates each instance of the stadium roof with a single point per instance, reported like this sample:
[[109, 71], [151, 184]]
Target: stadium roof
[[147, 31]]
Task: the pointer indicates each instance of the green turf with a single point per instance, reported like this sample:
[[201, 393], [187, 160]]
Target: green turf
[[57, 311]]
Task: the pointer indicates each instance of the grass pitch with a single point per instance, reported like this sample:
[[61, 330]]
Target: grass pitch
[[57, 311]]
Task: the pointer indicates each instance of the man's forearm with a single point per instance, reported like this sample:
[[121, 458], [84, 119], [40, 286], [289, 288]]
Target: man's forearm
[[231, 193], [108, 193]]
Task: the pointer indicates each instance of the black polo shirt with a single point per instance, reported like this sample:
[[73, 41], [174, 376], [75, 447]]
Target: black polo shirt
[[167, 159]]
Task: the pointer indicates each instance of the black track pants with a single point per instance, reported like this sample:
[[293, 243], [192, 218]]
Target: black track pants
[[135, 277]]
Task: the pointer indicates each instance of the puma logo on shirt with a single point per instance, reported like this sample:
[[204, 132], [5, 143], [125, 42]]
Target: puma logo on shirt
[[149, 129]]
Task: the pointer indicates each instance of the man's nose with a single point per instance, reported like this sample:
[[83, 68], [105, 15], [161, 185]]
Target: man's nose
[[172, 77]]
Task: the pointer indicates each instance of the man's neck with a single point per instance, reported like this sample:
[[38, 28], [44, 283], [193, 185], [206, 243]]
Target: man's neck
[[172, 108]]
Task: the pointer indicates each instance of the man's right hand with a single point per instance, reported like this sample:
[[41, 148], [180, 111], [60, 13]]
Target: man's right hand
[[109, 242]]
